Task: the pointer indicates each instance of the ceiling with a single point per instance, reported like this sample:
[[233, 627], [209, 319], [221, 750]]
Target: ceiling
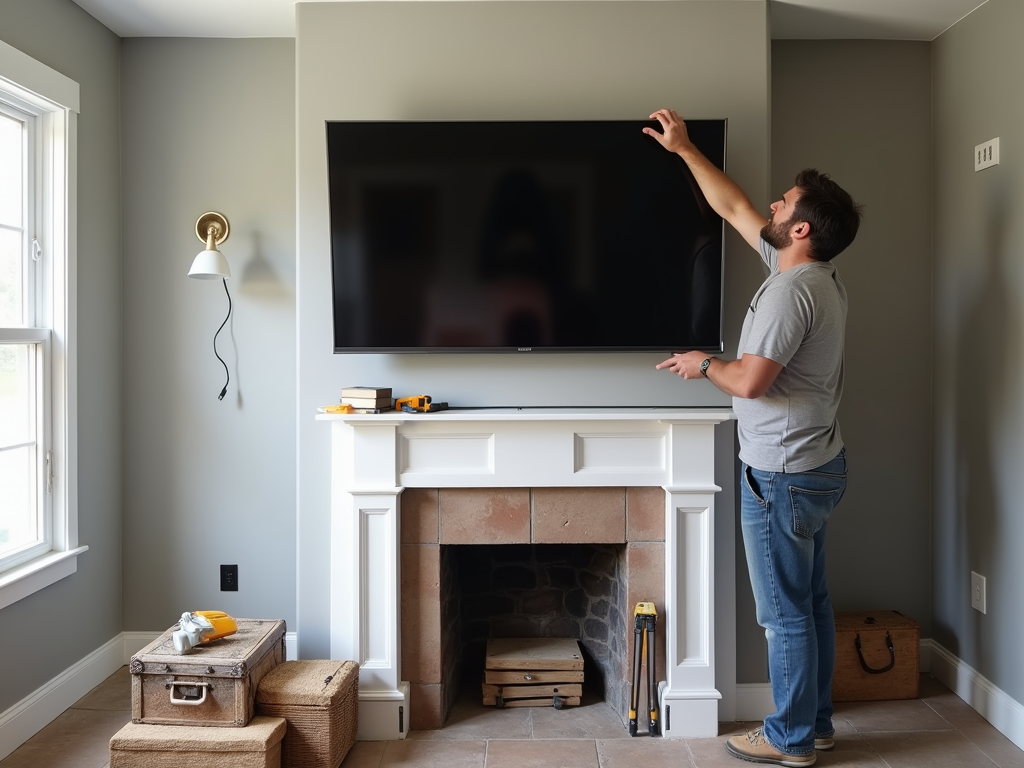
[[790, 19]]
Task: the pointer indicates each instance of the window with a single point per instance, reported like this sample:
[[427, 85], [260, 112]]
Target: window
[[38, 503], [25, 511]]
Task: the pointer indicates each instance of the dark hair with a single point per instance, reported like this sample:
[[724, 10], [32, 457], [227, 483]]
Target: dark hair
[[833, 215]]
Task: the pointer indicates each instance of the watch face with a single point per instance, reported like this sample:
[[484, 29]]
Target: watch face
[[704, 366]]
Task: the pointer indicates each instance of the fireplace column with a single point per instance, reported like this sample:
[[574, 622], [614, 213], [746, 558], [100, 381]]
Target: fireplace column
[[365, 577], [689, 698]]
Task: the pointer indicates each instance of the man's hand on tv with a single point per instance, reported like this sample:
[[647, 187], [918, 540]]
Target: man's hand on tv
[[674, 136]]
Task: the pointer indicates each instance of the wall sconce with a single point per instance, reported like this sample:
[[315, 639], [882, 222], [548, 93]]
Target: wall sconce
[[210, 264]]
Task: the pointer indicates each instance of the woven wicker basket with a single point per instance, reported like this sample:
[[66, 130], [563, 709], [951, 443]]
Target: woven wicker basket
[[319, 699], [143, 745]]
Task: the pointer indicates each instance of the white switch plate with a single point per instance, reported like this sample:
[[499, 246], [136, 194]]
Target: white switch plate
[[986, 155], [978, 601]]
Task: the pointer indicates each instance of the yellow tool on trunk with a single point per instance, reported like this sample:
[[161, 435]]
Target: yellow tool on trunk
[[200, 627], [223, 625]]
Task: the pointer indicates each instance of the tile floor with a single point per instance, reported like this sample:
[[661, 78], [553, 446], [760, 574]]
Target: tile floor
[[936, 730]]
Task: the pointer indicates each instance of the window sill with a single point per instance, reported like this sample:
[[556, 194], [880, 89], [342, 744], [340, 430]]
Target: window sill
[[30, 577]]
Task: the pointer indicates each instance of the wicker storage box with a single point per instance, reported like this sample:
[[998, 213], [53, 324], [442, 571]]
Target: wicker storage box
[[877, 656], [214, 685], [258, 745], [319, 699]]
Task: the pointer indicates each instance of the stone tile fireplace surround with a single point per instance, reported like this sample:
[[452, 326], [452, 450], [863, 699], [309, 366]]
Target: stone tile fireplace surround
[[436, 518], [406, 486]]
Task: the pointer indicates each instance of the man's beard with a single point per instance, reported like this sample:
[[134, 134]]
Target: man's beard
[[776, 234]]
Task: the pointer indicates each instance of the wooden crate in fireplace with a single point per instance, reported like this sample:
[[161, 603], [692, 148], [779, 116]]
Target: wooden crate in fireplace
[[533, 672]]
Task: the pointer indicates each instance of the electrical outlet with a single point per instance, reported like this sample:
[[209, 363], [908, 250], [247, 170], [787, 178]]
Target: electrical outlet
[[978, 598], [986, 155], [229, 578]]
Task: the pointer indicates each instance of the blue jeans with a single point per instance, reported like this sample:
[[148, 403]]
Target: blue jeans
[[784, 518]]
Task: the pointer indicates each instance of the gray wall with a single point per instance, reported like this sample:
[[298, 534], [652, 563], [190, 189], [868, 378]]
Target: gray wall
[[504, 60], [45, 633], [208, 125], [861, 111], [979, 336], [211, 124]]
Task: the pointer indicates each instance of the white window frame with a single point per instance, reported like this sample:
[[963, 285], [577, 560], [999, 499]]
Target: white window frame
[[56, 100], [34, 328]]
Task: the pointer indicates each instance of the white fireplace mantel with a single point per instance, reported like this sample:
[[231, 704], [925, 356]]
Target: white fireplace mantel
[[375, 457]]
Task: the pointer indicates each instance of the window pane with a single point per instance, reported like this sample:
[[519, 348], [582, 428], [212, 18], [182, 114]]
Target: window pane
[[18, 522], [17, 396], [38, 134], [13, 175], [11, 280]]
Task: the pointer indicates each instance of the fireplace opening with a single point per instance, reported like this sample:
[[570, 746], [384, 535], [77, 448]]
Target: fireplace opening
[[575, 591]]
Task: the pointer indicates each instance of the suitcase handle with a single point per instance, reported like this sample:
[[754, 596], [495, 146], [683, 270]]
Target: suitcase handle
[[185, 701], [864, 664]]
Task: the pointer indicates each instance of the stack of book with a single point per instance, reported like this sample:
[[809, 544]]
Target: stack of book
[[367, 399]]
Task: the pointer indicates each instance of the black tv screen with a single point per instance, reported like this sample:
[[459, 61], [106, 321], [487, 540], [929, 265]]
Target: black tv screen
[[543, 236]]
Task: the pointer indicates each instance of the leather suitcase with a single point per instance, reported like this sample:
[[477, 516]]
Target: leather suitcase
[[213, 685], [878, 656]]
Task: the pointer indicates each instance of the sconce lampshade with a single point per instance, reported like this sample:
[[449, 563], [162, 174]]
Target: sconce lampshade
[[210, 264]]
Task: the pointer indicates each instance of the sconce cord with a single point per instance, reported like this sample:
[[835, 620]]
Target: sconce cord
[[226, 373]]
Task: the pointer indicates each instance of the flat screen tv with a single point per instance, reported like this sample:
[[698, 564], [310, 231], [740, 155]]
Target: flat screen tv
[[520, 237]]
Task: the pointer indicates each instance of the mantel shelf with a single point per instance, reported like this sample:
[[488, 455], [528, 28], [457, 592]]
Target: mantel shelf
[[706, 415]]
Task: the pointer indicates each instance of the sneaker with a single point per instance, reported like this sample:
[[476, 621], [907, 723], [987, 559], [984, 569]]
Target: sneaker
[[755, 748], [823, 742]]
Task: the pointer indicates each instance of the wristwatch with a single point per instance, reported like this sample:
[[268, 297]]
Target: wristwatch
[[704, 366]]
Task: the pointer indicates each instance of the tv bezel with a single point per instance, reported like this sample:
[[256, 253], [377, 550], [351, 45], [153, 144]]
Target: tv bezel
[[505, 350]]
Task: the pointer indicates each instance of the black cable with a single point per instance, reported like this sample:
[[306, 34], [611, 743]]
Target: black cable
[[226, 374]]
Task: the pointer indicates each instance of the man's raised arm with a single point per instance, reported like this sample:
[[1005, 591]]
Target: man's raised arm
[[722, 193]]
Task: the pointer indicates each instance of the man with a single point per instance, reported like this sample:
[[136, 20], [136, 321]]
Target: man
[[786, 385]]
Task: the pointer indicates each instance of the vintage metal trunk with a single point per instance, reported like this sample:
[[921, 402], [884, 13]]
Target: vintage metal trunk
[[213, 685], [877, 656]]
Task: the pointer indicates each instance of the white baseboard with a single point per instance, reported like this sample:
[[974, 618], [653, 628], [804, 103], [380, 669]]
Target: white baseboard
[[135, 642], [291, 645], [754, 701], [37, 710], [992, 703]]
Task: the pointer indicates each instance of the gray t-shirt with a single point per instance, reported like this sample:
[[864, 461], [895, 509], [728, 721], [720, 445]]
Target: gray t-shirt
[[797, 318]]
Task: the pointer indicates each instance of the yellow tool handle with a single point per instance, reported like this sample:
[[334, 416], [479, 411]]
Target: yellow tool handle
[[223, 625], [645, 609]]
